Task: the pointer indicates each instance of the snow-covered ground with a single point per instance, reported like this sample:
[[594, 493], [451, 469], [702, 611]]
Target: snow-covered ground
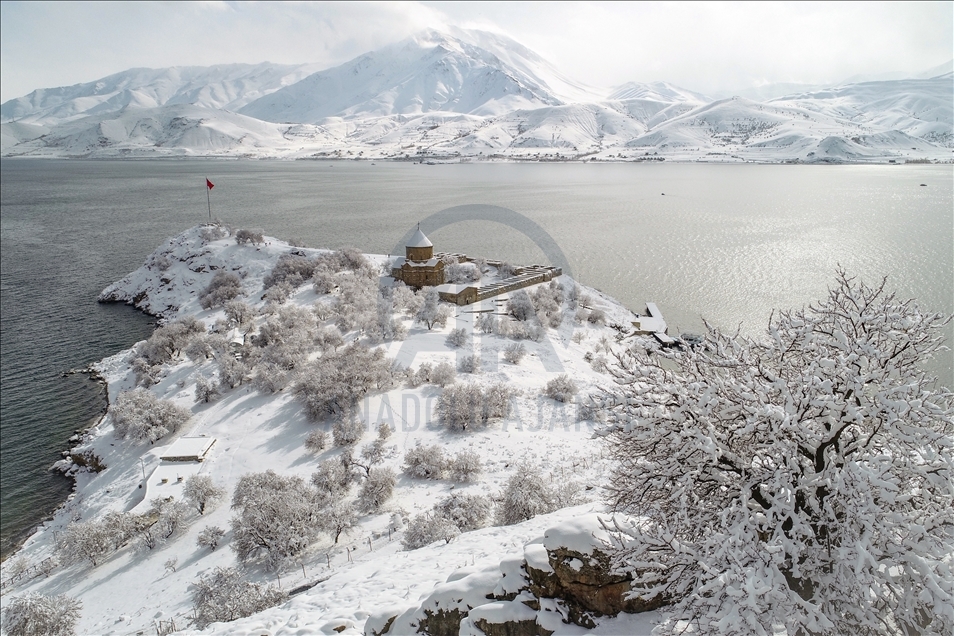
[[471, 95], [131, 591]]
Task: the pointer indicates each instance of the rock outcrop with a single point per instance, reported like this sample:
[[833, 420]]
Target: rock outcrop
[[565, 577]]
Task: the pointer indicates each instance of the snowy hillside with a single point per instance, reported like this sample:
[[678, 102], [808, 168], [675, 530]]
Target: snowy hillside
[[260, 421], [473, 95]]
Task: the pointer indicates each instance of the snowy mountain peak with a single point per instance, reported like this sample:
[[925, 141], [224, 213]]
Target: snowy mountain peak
[[657, 91]]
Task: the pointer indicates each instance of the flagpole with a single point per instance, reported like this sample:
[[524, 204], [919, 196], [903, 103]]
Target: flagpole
[[208, 197]]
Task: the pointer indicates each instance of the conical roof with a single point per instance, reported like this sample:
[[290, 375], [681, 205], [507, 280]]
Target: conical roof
[[419, 240]]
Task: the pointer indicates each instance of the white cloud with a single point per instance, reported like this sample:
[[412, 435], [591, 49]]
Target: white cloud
[[703, 46]]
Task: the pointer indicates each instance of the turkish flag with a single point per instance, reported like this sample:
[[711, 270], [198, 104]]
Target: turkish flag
[[209, 184]]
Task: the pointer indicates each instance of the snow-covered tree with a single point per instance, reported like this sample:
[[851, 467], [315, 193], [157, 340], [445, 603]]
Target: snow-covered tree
[[802, 479], [206, 389], [443, 374], [425, 529], [561, 388], [95, 539], [292, 269], [486, 323], [37, 615], [376, 489], [332, 480], [425, 462], [232, 372], [278, 518], [347, 430], [467, 512], [525, 496], [338, 518], [460, 407], [225, 286], [202, 493], [336, 382], [210, 537], [141, 416], [167, 518], [168, 341], [521, 306], [430, 312], [239, 314], [223, 595]]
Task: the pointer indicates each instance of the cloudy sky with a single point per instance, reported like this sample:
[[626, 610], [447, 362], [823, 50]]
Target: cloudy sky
[[709, 47]]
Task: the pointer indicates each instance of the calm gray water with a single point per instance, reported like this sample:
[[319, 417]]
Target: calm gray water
[[727, 243]]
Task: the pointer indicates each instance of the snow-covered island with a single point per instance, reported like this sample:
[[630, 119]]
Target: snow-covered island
[[306, 446], [314, 365]]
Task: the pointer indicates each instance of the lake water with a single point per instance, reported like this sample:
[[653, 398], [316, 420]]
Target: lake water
[[724, 242]]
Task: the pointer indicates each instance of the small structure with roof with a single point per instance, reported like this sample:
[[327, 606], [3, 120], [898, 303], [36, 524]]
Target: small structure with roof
[[188, 449], [419, 268]]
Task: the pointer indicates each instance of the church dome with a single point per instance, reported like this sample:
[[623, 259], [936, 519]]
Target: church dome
[[419, 240]]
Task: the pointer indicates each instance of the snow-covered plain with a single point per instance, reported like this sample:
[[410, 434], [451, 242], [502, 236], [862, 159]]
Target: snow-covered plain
[[467, 95], [133, 592]]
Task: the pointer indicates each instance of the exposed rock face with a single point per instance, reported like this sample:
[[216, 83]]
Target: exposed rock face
[[565, 578]]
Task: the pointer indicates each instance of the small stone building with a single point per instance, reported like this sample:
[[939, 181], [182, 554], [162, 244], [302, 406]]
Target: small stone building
[[419, 268]]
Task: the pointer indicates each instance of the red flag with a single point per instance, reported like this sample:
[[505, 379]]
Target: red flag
[[209, 184]]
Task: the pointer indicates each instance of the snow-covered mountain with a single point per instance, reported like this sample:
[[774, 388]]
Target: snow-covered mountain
[[225, 86], [431, 72], [472, 95]]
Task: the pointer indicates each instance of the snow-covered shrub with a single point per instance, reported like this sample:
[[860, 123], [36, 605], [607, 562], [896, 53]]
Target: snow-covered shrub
[[578, 336], [514, 352], [141, 416], [465, 466], [597, 317], [425, 462], [336, 382], [497, 399], [467, 512], [329, 339], [224, 287], [171, 563], [384, 431], [521, 306], [347, 430], [291, 269], [213, 233], [525, 496], [278, 518], [461, 273], [37, 615], [561, 388], [248, 236], [421, 376], [469, 364], [582, 315], [443, 374], [145, 373], [223, 595], [598, 363], [202, 493], [270, 377], [210, 537], [324, 281], [457, 338], [427, 528], [386, 326], [206, 389], [376, 489], [548, 300], [506, 270], [486, 323], [316, 441], [167, 518], [794, 482]]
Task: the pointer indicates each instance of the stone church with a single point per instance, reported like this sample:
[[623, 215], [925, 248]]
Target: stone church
[[420, 267]]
